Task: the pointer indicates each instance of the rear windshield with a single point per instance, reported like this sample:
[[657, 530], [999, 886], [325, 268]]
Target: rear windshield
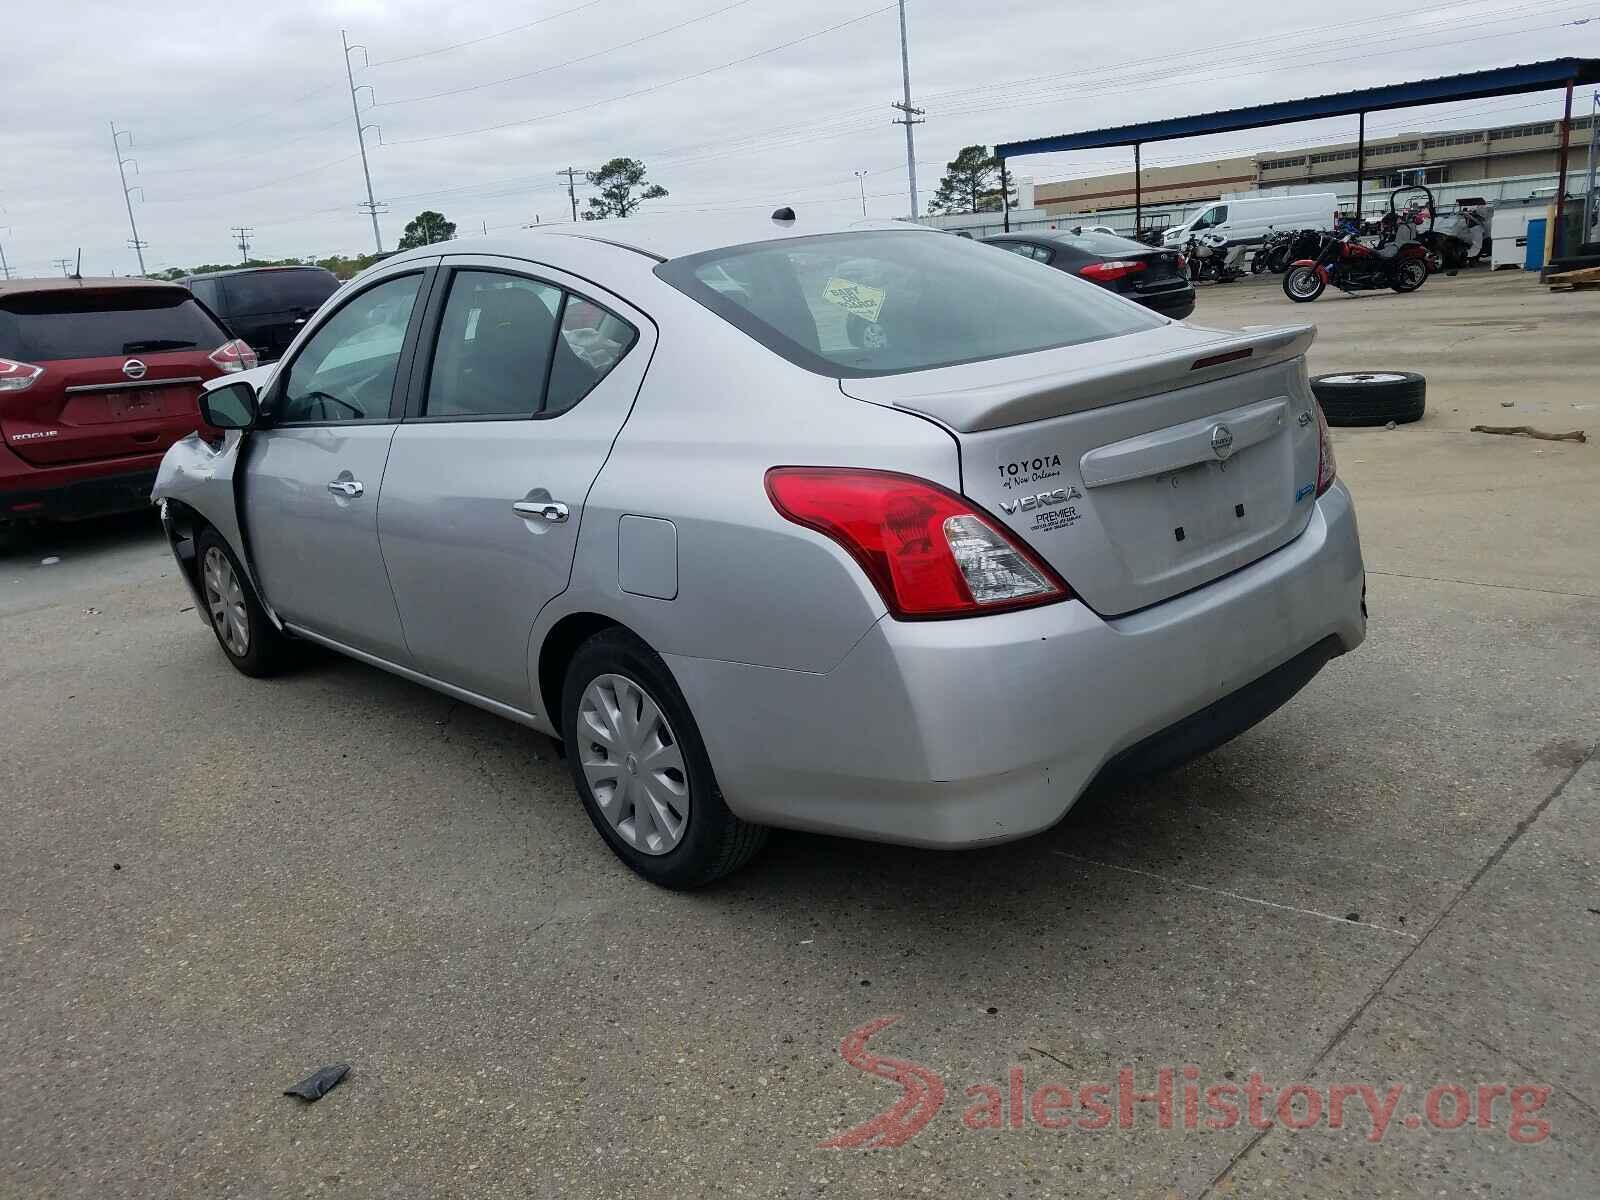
[[44, 326], [1108, 245], [889, 301], [272, 291]]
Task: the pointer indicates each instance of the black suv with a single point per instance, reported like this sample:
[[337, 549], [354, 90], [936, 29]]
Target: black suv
[[265, 306]]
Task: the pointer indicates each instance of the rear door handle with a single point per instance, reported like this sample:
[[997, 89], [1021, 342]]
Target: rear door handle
[[346, 487], [551, 510]]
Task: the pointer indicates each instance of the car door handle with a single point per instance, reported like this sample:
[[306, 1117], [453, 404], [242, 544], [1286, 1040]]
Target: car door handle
[[551, 510], [346, 487]]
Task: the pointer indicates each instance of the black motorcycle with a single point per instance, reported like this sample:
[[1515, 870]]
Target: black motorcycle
[[1276, 244]]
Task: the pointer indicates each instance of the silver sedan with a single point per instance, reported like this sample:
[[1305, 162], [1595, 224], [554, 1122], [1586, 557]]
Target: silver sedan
[[861, 529]]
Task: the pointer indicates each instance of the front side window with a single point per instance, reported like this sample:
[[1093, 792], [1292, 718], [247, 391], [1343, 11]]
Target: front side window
[[514, 347], [346, 371], [889, 301]]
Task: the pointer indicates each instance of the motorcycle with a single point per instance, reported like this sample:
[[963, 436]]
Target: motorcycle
[[1276, 245], [1211, 257], [1399, 261], [1353, 266]]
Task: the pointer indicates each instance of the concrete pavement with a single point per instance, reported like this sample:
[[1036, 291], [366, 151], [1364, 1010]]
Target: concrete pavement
[[215, 885]]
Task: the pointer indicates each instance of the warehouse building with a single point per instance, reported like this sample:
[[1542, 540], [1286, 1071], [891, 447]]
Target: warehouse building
[[1453, 156]]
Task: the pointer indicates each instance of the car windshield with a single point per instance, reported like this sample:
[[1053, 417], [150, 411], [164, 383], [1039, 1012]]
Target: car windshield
[[272, 291], [889, 301], [70, 323]]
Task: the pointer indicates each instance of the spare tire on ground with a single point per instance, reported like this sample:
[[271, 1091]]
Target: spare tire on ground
[[1371, 397]]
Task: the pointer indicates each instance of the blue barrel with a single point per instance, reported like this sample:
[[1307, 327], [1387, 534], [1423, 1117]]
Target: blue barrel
[[1535, 259]]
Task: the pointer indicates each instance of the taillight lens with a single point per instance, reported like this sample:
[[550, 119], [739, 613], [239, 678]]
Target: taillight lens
[[234, 356], [17, 376], [1116, 268], [1183, 263], [1327, 468], [929, 552]]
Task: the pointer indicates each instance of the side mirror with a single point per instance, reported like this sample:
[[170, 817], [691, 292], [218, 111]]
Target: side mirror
[[232, 406]]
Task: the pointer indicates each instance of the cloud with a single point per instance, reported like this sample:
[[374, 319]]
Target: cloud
[[240, 113]]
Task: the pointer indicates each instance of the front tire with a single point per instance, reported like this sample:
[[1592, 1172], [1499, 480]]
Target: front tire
[[1303, 284], [641, 768], [243, 629]]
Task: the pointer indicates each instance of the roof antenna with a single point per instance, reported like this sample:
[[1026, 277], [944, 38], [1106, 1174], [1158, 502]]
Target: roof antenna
[[783, 214], [77, 271]]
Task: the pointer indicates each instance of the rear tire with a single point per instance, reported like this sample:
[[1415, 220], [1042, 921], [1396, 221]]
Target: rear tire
[[1303, 284], [1410, 275], [621, 712], [243, 630], [1371, 397]]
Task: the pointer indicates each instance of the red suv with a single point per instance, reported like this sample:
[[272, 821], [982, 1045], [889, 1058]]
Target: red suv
[[97, 378]]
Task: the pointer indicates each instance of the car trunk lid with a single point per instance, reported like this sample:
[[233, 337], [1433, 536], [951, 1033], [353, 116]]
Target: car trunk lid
[[1139, 467], [81, 410]]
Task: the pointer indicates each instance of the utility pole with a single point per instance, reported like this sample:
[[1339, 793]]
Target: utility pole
[[909, 116], [5, 271], [63, 263], [861, 179], [127, 192], [571, 194], [361, 134], [243, 232]]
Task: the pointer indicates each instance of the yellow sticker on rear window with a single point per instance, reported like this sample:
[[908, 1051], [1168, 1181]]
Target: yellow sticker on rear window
[[857, 299]]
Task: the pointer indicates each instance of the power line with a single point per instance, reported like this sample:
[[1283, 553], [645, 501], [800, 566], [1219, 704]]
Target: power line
[[644, 91], [385, 62], [476, 87], [63, 264]]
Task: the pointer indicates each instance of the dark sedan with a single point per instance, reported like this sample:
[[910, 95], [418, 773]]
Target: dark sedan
[[1155, 278]]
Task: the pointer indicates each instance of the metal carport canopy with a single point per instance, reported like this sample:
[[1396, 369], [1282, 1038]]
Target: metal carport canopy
[[1474, 85], [1503, 81]]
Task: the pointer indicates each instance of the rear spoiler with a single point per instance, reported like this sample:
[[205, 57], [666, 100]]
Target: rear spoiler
[[1092, 375]]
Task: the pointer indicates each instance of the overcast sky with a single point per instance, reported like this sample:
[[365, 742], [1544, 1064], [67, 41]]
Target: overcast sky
[[241, 113]]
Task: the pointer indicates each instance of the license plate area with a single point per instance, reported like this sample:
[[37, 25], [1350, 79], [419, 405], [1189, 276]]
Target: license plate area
[[131, 404], [1173, 521]]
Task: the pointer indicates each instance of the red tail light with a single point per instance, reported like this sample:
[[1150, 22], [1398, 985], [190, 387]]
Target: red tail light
[[929, 552], [17, 376], [1116, 268], [1327, 468], [234, 356]]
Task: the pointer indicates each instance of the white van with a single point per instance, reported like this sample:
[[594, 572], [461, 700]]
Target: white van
[[1251, 219]]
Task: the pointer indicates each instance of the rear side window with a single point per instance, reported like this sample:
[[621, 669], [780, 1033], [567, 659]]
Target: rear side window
[[512, 347], [277, 291], [72, 323], [891, 301]]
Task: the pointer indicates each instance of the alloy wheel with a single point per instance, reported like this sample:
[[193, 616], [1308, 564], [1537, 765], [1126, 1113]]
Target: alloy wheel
[[633, 763], [225, 599]]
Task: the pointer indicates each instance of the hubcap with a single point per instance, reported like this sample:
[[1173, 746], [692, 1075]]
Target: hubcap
[[633, 763], [1304, 282], [225, 599], [1362, 377]]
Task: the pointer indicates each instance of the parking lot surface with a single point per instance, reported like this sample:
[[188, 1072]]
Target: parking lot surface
[[214, 886]]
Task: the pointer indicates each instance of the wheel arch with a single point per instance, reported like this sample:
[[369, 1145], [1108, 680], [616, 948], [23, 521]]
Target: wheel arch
[[556, 651]]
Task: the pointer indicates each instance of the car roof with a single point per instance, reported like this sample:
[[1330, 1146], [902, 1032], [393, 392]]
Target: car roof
[[260, 270], [50, 283], [661, 237]]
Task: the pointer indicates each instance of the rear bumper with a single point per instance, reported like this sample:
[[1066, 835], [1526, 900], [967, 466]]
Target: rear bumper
[[76, 490], [959, 733], [1176, 305]]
